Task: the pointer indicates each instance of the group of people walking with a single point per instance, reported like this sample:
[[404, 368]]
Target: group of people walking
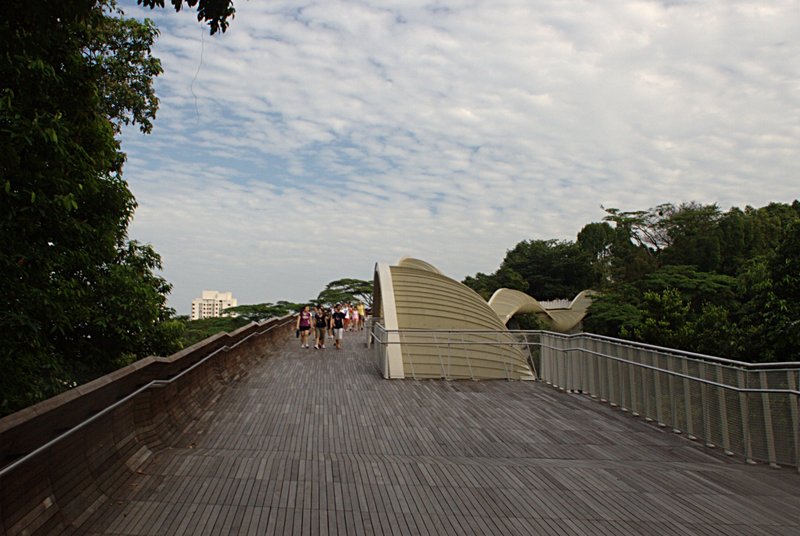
[[331, 322]]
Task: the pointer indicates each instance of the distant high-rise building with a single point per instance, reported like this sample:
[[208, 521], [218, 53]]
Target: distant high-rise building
[[211, 303]]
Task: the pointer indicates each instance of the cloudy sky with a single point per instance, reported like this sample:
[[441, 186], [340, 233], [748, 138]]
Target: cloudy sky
[[316, 138]]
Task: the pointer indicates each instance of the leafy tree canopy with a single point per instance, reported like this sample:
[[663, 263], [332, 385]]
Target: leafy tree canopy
[[264, 311], [214, 12], [686, 276], [198, 330], [77, 299], [712, 284], [346, 290], [545, 269]]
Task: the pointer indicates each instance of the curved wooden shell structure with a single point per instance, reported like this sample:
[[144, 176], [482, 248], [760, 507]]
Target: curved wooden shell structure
[[439, 327], [507, 302]]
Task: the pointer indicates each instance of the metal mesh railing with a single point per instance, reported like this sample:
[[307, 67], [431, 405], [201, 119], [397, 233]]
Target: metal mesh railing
[[743, 408], [454, 354], [747, 409]]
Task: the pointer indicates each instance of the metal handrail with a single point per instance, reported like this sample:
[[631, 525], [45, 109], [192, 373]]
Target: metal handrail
[[673, 373], [598, 354], [154, 383], [784, 365]]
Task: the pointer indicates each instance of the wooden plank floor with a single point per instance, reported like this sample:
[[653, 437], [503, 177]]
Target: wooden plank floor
[[315, 442]]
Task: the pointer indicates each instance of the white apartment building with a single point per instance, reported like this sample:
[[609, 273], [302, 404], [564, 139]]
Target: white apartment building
[[211, 303]]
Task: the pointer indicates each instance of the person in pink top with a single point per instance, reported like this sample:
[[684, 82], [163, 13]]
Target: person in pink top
[[304, 326]]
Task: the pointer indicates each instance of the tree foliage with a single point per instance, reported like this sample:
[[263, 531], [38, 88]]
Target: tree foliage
[[264, 311], [346, 291], [214, 12], [686, 276], [195, 331], [545, 269], [716, 283], [77, 299]]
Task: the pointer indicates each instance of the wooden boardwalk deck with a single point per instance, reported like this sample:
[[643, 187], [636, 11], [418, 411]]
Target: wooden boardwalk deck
[[315, 442]]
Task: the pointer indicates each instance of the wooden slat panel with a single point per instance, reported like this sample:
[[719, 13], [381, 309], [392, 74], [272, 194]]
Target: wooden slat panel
[[314, 442]]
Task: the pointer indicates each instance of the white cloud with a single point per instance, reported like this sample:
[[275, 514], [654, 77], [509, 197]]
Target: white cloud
[[314, 139]]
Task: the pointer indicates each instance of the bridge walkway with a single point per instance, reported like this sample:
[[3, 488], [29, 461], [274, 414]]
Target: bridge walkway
[[315, 442]]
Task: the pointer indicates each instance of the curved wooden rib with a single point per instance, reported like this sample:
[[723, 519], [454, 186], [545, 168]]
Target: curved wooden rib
[[438, 308], [507, 302], [410, 262]]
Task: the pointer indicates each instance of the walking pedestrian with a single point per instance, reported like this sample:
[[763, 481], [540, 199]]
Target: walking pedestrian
[[346, 311], [321, 324], [355, 319], [362, 314], [304, 326], [337, 323]]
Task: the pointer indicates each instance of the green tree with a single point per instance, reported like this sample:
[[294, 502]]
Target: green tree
[[551, 269], [483, 284], [694, 237], [545, 269], [597, 240], [264, 311], [770, 317], [76, 298], [785, 271], [614, 313], [663, 321], [214, 12], [199, 330], [346, 290], [644, 228]]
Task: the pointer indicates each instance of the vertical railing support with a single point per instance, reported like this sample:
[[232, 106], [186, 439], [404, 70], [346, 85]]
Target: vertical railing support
[[769, 430], [744, 408], [723, 413], [687, 398], [636, 391], [672, 396], [707, 436], [793, 381]]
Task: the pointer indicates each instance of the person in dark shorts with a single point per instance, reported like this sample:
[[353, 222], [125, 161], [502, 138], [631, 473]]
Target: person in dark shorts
[[337, 323], [321, 322], [304, 326]]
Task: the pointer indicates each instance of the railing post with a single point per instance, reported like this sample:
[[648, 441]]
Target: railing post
[[439, 354], [687, 401], [656, 388], [723, 413], [586, 368], [744, 405], [545, 364], [596, 363], [646, 387], [411, 363], [573, 376], [659, 394], [769, 431], [558, 377], [673, 399], [636, 390], [614, 398], [794, 403], [469, 363], [562, 363], [602, 378], [707, 435]]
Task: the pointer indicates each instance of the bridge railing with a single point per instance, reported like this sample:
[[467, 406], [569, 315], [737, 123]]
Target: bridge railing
[[64, 457], [750, 409], [747, 409], [450, 354]]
